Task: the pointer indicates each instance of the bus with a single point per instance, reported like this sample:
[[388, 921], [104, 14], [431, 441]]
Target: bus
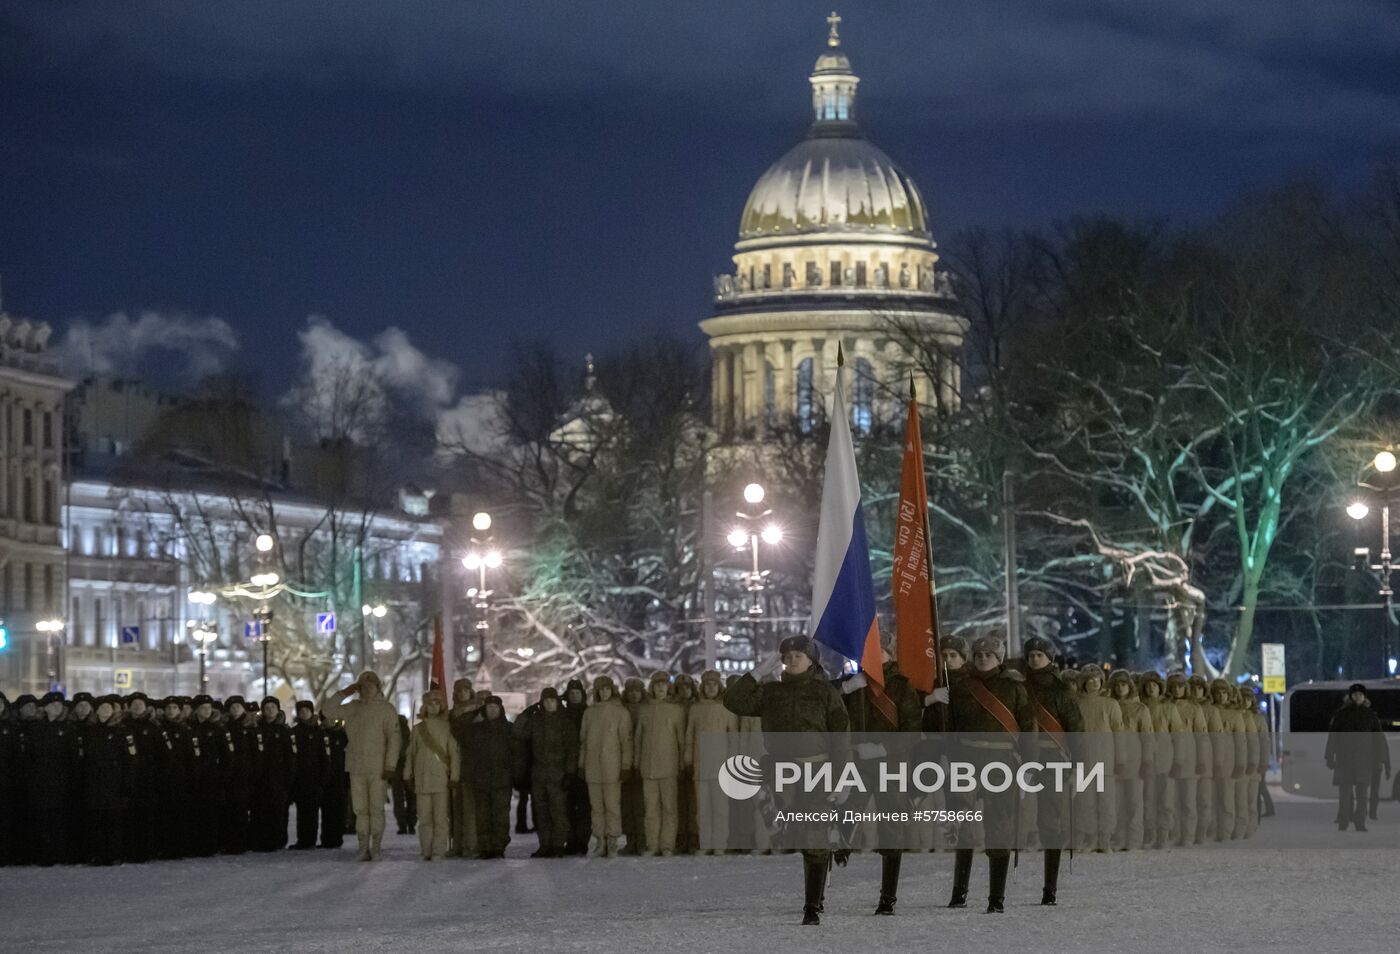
[[1307, 711]]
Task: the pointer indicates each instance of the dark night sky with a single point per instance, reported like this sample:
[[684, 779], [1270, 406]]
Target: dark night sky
[[473, 172]]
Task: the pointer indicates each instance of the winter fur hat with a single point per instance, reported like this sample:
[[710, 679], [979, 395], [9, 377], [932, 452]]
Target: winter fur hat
[[662, 677], [956, 644], [685, 679], [272, 699], [634, 683], [428, 696], [1089, 671], [549, 692], [801, 644], [304, 704], [990, 644], [601, 682], [1070, 677], [201, 700], [1153, 677], [1039, 644], [711, 675], [1198, 680], [1119, 676]]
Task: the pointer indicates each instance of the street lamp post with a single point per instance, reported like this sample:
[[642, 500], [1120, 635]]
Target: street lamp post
[[53, 635], [1384, 485], [482, 557], [748, 536], [203, 633]]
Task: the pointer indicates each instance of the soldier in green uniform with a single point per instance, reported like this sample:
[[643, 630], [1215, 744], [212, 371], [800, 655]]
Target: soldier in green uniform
[[801, 701], [992, 711], [1058, 724]]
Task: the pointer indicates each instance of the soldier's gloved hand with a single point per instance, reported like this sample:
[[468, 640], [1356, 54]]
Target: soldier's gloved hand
[[938, 695], [850, 685], [767, 666]]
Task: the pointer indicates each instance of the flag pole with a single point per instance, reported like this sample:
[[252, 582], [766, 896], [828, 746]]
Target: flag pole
[[928, 555]]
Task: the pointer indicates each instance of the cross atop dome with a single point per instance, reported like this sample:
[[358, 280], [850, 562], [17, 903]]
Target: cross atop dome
[[833, 38]]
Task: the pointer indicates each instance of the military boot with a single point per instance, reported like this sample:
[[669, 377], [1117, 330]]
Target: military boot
[[610, 846], [364, 847], [999, 863], [1052, 877], [962, 874], [374, 847], [814, 884], [889, 881]]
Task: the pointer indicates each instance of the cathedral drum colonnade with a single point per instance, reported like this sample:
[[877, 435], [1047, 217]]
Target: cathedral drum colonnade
[[834, 248]]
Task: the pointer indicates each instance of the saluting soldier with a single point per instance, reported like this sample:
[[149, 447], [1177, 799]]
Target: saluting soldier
[[1059, 730], [1095, 811], [801, 701], [267, 828], [707, 716], [634, 693], [492, 746], [552, 740], [1191, 751], [1207, 758], [312, 756], [575, 788], [109, 772], [466, 709]]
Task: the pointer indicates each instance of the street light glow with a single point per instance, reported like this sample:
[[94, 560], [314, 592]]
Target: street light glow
[[472, 561], [201, 597], [481, 521], [772, 534], [263, 542], [49, 625], [494, 559], [265, 579], [1357, 510], [1384, 462], [738, 538], [753, 493], [380, 611]]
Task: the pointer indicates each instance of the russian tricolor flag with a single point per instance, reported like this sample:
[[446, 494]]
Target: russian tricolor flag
[[843, 594]]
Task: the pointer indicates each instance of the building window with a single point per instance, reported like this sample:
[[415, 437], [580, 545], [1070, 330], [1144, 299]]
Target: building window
[[48, 430], [806, 410], [9, 588], [835, 274], [99, 542], [28, 427], [863, 402], [48, 588], [767, 276], [75, 623], [814, 275], [48, 502], [99, 637], [789, 275], [28, 498], [860, 274], [26, 598]]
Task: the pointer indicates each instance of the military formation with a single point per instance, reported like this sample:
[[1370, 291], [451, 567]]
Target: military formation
[[1184, 758], [108, 779], [612, 772]]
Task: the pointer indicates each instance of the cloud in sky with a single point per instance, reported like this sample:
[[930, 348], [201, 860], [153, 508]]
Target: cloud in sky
[[1274, 64], [174, 348]]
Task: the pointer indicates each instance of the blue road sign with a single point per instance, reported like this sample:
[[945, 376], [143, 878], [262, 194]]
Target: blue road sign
[[131, 635], [325, 622], [252, 630]]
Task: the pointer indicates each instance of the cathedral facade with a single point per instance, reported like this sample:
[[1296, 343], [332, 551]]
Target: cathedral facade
[[834, 250]]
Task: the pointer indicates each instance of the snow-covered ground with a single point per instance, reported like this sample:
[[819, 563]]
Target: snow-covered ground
[[1299, 886]]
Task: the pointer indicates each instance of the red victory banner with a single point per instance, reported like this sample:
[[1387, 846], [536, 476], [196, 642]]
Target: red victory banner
[[915, 613]]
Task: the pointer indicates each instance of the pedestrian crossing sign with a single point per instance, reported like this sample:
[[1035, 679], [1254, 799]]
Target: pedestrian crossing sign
[[121, 678]]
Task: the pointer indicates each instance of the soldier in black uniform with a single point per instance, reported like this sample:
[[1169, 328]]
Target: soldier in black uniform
[[1058, 724], [175, 809], [866, 716], [11, 794], [109, 772], [24, 713], [401, 795], [147, 781], [239, 769], [335, 790], [579, 809], [80, 717], [991, 711], [205, 792], [272, 791], [51, 759], [309, 776]]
